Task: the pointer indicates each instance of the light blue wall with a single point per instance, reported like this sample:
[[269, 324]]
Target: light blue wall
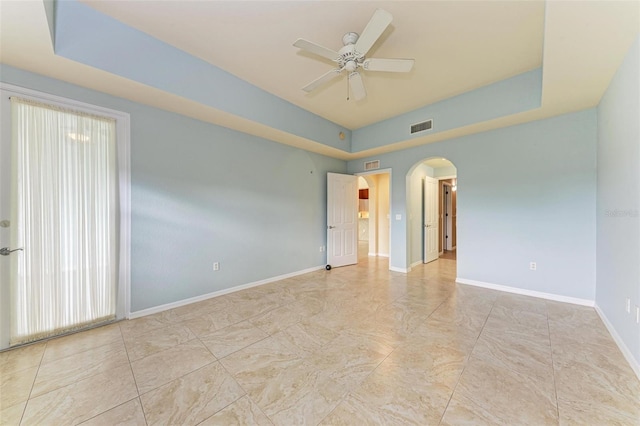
[[618, 201], [506, 97], [202, 193], [525, 193], [90, 37]]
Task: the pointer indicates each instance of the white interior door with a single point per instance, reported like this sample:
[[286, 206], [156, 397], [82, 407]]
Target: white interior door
[[342, 219], [430, 219]]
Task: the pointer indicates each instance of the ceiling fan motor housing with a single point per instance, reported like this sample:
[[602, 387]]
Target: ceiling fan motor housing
[[349, 57]]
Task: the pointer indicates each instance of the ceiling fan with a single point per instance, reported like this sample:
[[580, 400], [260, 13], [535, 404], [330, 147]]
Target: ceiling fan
[[352, 56]]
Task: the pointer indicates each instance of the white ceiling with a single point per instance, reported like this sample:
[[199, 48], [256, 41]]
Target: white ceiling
[[458, 46]]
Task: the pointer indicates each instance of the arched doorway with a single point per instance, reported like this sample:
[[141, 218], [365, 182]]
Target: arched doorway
[[442, 175]]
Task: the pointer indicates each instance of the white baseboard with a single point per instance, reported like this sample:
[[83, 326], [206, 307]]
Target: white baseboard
[[379, 254], [396, 269], [532, 293], [633, 363], [416, 263], [172, 305]]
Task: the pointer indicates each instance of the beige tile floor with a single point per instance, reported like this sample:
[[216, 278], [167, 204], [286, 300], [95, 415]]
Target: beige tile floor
[[356, 345]]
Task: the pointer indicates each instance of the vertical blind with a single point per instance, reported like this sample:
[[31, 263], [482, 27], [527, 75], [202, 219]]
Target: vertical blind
[[65, 216]]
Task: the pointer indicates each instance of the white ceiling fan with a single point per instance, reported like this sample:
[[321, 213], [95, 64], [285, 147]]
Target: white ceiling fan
[[352, 55]]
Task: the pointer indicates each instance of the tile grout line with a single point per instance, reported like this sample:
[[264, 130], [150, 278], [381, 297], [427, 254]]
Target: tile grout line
[[57, 360], [119, 405], [237, 350], [204, 366], [179, 377], [58, 388], [380, 363], [133, 375], [245, 394], [467, 362], [553, 367], [359, 384], [268, 336], [35, 377], [322, 346]]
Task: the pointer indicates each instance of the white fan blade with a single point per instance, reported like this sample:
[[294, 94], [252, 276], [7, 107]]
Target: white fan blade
[[388, 65], [322, 79], [317, 49], [374, 29], [357, 86]]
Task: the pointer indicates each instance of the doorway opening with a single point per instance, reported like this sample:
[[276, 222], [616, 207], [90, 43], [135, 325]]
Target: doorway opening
[[363, 217], [448, 199], [374, 230], [431, 211]]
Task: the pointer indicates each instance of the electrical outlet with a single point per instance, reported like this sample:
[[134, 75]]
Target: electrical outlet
[[216, 266], [533, 266], [628, 306], [321, 249]]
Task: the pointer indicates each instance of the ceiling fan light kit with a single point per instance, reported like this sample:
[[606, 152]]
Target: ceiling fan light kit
[[352, 56]]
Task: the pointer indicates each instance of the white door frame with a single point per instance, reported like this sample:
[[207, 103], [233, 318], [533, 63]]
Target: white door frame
[[123, 134], [374, 193]]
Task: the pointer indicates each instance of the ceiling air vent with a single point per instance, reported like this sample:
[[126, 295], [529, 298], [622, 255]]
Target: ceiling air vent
[[421, 127], [372, 165]]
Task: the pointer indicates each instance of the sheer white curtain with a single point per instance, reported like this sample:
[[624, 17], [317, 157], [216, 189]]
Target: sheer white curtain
[[64, 215]]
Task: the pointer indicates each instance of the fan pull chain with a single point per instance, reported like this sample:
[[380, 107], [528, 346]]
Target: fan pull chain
[[347, 87]]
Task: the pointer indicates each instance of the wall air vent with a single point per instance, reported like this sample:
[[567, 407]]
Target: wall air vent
[[372, 165], [421, 127]]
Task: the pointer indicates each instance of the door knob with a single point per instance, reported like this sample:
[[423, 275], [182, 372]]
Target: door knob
[[330, 227], [6, 251]]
